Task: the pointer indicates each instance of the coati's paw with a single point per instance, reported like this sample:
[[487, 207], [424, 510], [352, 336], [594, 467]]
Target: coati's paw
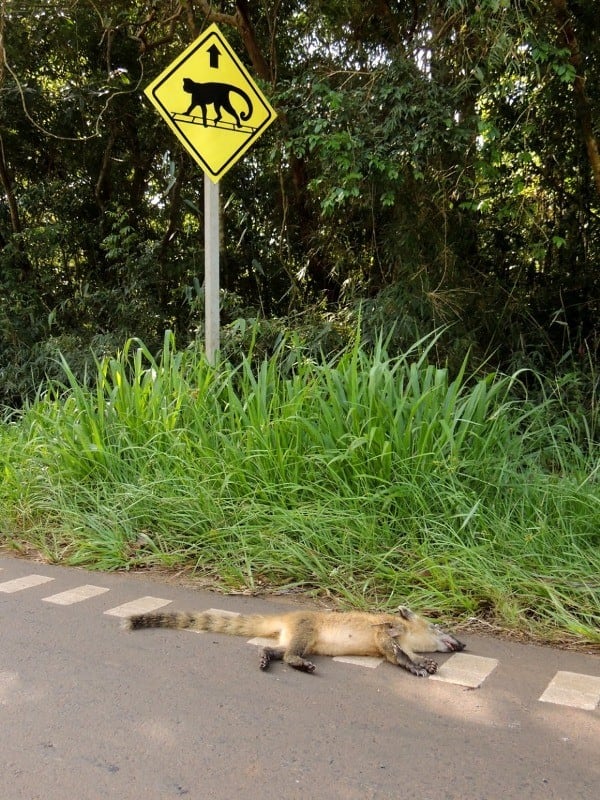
[[265, 660], [303, 666], [299, 663], [429, 665], [423, 669]]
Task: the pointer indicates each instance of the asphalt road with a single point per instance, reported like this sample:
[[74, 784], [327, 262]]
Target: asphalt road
[[89, 711]]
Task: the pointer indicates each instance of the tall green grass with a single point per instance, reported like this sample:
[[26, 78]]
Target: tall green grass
[[376, 480]]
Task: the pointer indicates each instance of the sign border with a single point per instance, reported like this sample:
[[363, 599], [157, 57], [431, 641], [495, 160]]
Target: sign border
[[151, 89]]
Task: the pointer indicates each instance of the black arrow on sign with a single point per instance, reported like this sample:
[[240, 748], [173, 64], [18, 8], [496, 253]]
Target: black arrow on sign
[[214, 54]]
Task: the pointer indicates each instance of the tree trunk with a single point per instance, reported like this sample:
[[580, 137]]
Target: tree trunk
[[22, 262], [582, 102], [246, 30], [6, 182]]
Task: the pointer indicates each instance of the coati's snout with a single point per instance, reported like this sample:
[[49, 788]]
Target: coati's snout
[[448, 643], [422, 636]]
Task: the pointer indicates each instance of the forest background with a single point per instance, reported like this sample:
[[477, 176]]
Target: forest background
[[433, 177]]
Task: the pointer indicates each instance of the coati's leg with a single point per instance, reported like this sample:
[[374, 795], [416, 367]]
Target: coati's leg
[[271, 654], [394, 653], [288, 655], [301, 644], [297, 662], [422, 668], [293, 654]]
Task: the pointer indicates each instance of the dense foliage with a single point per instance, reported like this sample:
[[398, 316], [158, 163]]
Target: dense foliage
[[373, 480], [435, 162], [434, 167]]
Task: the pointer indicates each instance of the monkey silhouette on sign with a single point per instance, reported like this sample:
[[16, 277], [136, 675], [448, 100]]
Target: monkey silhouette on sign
[[217, 95]]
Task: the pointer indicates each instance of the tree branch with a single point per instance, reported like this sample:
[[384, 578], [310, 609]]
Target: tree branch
[[210, 15], [241, 22], [102, 188], [140, 34]]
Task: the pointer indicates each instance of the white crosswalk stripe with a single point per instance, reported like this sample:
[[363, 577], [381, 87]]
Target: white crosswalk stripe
[[465, 669], [140, 606], [76, 595], [18, 584], [261, 641], [573, 689], [360, 661]]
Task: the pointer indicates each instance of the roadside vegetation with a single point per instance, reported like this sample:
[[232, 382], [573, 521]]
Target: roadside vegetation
[[371, 479], [434, 166]]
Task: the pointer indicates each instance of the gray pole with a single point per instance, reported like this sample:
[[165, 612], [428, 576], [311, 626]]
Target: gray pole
[[211, 268]]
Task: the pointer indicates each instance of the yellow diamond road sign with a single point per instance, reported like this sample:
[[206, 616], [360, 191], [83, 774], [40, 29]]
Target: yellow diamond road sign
[[211, 103]]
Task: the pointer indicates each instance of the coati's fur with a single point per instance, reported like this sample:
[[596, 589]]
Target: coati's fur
[[395, 637]]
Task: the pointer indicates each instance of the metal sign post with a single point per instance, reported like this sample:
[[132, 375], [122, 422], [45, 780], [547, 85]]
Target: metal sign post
[[211, 269]]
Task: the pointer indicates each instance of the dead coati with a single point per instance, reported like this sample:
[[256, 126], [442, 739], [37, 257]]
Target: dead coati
[[395, 637]]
